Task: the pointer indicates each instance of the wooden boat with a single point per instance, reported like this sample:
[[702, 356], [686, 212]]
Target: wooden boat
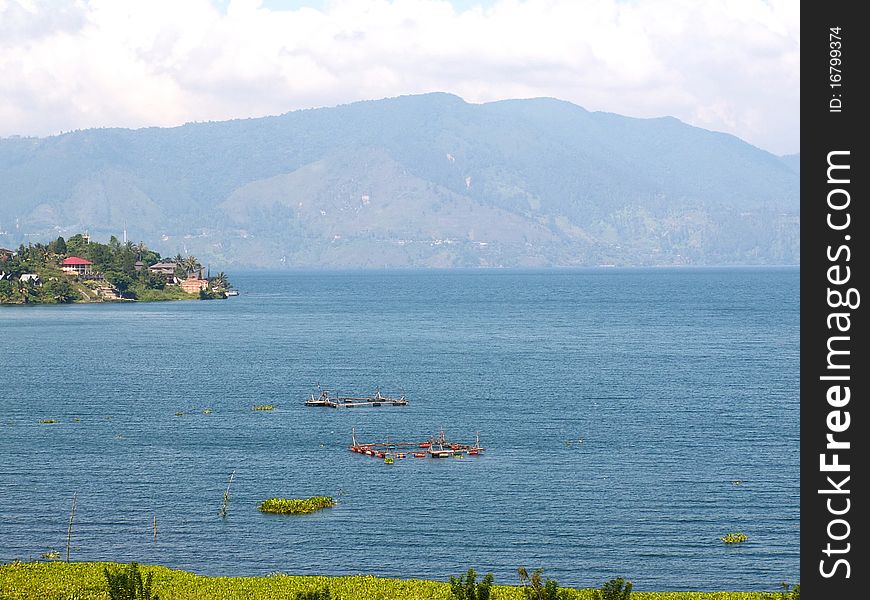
[[323, 400], [439, 451]]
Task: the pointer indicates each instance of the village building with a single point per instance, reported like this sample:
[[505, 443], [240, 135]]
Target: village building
[[30, 278], [76, 266], [193, 284], [167, 269], [6, 254]]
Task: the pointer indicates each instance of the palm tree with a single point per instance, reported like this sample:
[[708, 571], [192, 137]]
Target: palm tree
[[24, 290], [220, 281], [191, 265]]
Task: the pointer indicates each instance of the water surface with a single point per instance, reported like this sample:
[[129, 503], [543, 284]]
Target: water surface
[[617, 407]]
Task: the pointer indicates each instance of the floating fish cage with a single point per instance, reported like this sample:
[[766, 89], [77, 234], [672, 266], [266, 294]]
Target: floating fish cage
[[355, 401], [435, 447]]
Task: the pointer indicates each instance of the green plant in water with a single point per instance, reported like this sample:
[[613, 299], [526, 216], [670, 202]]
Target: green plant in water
[[734, 538], [264, 407], [49, 421], [321, 594], [128, 584], [51, 555], [225, 504], [786, 592], [296, 506], [534, 586], [615, 589], [466, 588]]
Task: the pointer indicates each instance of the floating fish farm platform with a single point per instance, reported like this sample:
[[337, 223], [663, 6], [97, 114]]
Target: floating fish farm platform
[[435, 447]]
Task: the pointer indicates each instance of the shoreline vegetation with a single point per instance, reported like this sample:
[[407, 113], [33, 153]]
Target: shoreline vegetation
[[87, 580], [79, 270]]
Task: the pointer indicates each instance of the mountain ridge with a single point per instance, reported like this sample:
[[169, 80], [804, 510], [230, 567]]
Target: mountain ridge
[[425, 180]]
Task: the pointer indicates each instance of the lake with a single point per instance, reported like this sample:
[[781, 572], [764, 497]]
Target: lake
[[631, 417]]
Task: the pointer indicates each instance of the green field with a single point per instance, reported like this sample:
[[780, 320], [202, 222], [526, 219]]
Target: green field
[[86, 581]]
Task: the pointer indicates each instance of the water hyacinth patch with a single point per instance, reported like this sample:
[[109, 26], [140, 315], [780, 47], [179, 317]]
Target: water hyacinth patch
[[296, 506], [86, 581], [734, 538]]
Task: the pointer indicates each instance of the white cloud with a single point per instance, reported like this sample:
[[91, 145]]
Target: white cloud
[[728, 65]]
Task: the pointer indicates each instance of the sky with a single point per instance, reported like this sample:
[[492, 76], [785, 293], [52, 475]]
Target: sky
[[724, 65]]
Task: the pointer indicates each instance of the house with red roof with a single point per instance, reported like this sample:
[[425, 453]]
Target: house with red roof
[[76, 266]]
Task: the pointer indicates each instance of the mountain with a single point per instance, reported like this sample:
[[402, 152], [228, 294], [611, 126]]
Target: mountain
[[793, 161], [426, 180]]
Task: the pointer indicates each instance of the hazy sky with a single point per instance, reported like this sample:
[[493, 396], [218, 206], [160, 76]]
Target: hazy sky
[[726, 65]]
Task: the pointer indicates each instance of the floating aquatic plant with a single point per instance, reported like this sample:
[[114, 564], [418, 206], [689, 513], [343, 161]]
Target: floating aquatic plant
[[296, 506], [264, 407], [49, 421], [734, 538]]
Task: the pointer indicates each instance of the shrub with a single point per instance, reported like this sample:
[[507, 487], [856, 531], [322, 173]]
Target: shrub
[[467, 589], [128, 584], [615, 589]]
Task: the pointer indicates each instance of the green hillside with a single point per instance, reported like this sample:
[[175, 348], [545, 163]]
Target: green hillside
[[413, 181]]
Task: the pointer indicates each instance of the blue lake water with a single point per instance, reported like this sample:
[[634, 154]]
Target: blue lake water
[[678, 382]]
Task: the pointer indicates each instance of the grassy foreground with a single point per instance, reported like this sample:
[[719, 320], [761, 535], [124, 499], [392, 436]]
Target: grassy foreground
[[86, 581]]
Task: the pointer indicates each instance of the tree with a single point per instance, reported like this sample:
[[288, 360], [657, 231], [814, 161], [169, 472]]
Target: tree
[[58, 246], [615, 589], [124, 260], [6, 290], [220, 281], [121, 281], [128, 584], [191, 265], [99, 254], [75, 246], [534, 586], [58, 291], [24, 290], [151, 280], [468, 589]]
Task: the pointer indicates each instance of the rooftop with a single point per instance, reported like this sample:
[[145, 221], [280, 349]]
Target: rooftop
[[75, 260]]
